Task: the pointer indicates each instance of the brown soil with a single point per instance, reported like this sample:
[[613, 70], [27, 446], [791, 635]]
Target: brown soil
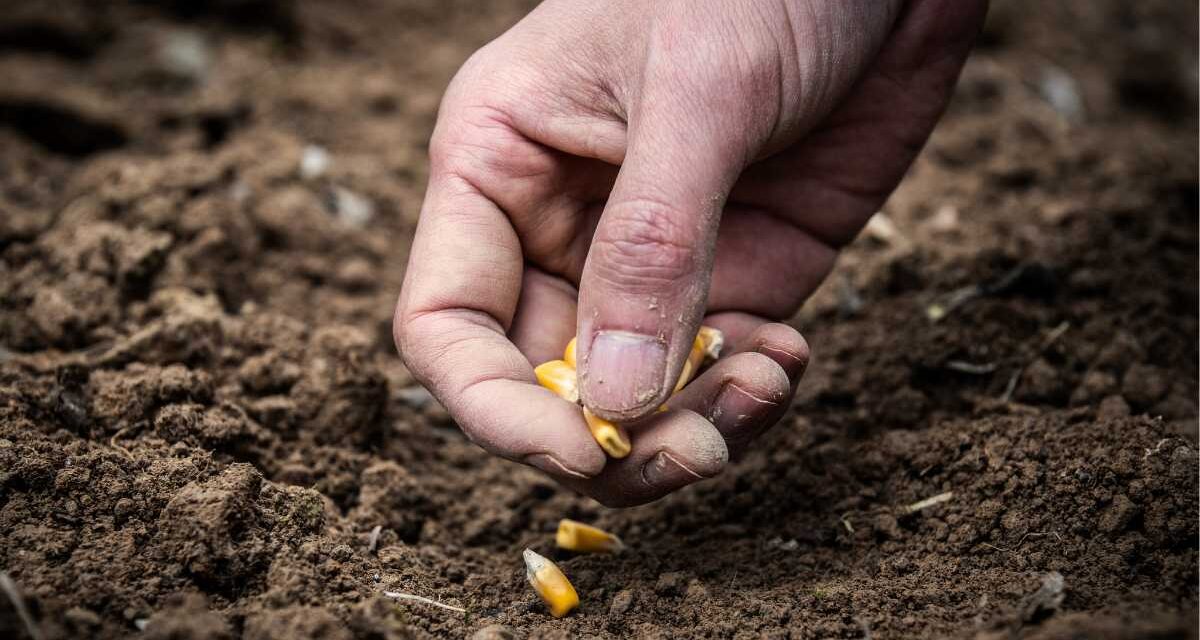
[[202, 419]]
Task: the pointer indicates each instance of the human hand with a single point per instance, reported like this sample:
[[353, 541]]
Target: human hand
[[628, 170]]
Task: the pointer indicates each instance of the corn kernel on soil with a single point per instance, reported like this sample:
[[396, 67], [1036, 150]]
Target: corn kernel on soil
[[584, 538], [550, 583]]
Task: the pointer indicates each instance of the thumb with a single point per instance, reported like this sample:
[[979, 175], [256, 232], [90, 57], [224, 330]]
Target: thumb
[[645, 282]]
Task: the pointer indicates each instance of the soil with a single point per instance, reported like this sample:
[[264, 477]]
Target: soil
[[205, 211]]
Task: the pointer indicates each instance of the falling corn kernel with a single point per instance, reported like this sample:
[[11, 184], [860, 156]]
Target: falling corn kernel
[[569, 354], [583, 538], [611, 437], [559, 377], [551, 584]]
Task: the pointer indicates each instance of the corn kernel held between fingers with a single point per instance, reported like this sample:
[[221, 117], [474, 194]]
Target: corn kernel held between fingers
[[550, 584], [692, 365], [612, 437], [584, 538], [706, 347], [711, 341], [569, 354], [559, 377]]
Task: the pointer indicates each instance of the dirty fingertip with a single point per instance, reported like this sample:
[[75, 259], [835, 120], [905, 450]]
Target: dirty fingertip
[[582, 466], [785, 346], [702, 454]]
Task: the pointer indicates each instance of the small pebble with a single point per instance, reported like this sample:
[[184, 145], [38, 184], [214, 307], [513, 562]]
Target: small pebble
[[185, 55], [1112, 408], [669, 584], [945, 219], [494, 632], [784, 545], [881, 228], [352, 209], [1144, 384], [621, 603], [1058, 88], [313, 162], [81, 618], [1119, 515]]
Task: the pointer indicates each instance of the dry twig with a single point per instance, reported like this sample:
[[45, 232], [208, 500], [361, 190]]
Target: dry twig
[[373, 539], [396, 595], [1031, 534], [112, 442], [972, 368], [1052, 337], [945, 304], [928, 502], [14, 595]]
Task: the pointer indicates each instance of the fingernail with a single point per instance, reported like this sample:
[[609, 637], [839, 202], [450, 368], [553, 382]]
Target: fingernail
[[625, 371], [735, 408], [793, 365], [552, 466]]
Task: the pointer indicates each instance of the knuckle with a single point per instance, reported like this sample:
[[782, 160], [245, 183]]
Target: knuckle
[[646, 247], [400, 332], [425, 345], [476, 135], [414, 349], [480, 144], [742, 67], [442, 348], [470, 140], [443, 152]]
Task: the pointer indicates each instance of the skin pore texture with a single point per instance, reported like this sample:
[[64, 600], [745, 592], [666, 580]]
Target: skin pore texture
[[627, 171]]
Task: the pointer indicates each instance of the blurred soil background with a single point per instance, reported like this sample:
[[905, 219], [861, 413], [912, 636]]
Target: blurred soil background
[[205, 212]]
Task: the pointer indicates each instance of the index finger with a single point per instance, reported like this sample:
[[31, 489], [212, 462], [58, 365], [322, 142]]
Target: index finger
[[459, 296]]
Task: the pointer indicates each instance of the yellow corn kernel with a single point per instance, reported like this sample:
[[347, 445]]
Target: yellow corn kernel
[[692, 364], [612, 437], [551, 584], [712, 341], [577, 536], [569, 354], [705, 348], [559, 377]]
